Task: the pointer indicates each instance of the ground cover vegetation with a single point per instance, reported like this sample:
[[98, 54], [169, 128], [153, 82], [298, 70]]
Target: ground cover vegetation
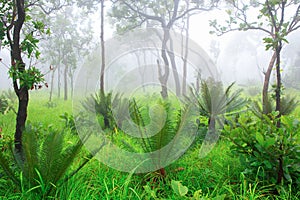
[[256, 146]]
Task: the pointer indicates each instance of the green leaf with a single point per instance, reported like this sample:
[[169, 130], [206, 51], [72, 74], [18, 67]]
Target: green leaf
[[178, 188], [260, 138], [269, 142]]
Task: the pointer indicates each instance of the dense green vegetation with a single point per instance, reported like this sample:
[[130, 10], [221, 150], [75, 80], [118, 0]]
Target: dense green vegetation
[[213, 142], [227, 172]]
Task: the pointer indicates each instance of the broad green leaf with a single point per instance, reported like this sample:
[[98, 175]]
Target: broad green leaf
[[178, 188], [269, 142], [260, 138]]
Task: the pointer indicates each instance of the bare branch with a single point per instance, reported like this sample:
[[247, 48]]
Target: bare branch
[[272, 15], [152, 17], [295, 20]]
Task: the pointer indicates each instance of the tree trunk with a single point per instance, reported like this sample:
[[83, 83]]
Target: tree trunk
[[18, 64], [278, 85], [174, 68], [102, 48], [212, 125], [23, 97], [66, 83], [58, 81], [186, 52], [162, 172], [278, 108], [163, 77], [51, 84], [266, 84]]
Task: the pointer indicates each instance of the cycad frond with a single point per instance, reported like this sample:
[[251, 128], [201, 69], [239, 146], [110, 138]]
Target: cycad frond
[[50, 154], [5, 165], [288, 105], [31, 152]]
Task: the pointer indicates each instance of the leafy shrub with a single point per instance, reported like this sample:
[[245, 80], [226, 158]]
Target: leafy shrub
[[47, 156], [287, 105], [262, 144], [213, 102], [103, 105], [7, 101], [172, 127], [69, 121]]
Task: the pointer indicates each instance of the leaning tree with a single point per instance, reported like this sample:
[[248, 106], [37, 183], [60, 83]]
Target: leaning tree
[[20, 31], [131, 14], [277, 19]]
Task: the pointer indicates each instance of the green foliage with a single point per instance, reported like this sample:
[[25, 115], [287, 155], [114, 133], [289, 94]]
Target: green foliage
[[178, 188], [165, 129], [69, 121], [182, 191], [103, 105], [261, 144], [287, 105], [28, 77], [48, 154], [213, 102], [4, 108], [7, 101]]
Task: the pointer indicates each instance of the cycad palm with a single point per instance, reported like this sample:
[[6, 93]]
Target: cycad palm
[[288, 105], [213, 102], [167, 135], [104, 104], [45, 165]]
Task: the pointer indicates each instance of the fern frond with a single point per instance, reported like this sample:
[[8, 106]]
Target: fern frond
[[31, 151], [5, 165], [288, 105], [50, 155]]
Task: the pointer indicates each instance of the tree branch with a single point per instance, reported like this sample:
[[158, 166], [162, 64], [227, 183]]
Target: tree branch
[[295, 20], [152, 17]]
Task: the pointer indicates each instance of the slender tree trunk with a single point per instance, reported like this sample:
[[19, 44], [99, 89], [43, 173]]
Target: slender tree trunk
[[174, 68], [212, 125], [23, 97], [141, 70], [186, 52], [58, 81], [163, 77], [278, 108], [163, 172], [265, 99], [102, 49], [278, 85], [66, 83], [51, 84], [18, 64]]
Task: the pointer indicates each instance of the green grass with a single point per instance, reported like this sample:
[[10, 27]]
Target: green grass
[[217, 174]]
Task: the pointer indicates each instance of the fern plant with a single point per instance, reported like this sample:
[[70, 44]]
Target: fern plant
[[166, 135], [7, 101], [103, 104], [212, 101], [46, 161], [287, 105]]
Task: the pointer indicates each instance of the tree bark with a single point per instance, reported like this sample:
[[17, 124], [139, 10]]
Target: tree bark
[[163, 77], [265, 97], [278, 85], [17, 63], [51, 84], [23, 97], [186, 52], [66, 83], [102, 48], [58, 81], [174, 68]]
